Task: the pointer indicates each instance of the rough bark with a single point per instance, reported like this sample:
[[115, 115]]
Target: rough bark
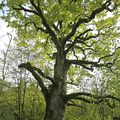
[[55, 106]]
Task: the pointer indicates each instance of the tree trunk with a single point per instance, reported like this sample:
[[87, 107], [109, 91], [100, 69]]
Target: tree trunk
[[55, 105], [55, 108]]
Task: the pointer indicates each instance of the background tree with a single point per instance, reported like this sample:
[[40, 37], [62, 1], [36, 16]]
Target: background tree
[[20, 96], [66, 34]]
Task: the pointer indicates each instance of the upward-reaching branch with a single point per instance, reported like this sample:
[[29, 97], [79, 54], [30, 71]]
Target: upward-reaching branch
[[45, 23], [39, 13], [80, 21], [75, 40]]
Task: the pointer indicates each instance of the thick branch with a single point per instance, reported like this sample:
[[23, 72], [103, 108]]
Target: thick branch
[[32, 69], [39, 13], [85, 64], [84, 96], [43, 75], [45, 23], [74, 95], [86, 20], [90, 64]]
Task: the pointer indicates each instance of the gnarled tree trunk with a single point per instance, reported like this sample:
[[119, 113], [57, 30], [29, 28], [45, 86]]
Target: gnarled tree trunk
[[55, 105]]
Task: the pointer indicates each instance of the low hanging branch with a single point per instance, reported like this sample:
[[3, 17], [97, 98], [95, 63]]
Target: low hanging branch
[[33, 70], [28, 65], [86, 97]]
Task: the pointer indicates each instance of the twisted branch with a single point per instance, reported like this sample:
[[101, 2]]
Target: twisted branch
[[80, 21]]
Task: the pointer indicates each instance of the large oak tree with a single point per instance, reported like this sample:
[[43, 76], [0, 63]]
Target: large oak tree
[[66, 33]]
